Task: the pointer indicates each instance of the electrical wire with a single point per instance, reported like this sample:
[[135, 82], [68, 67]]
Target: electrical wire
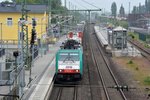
[[90, 4], [80, 4]]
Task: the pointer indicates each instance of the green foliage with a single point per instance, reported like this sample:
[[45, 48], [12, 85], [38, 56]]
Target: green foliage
[[121, 11], [55, 5], [147, 46], [114, 9], [123, 24], [6, 1], [103, 19], [142, 8], [135, 10], [137, 68], [133, 35], [130, 62], [31, 1], [147, 80], [146, 5]]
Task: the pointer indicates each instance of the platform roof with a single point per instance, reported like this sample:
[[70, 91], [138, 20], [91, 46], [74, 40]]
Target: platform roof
[[119, 28]]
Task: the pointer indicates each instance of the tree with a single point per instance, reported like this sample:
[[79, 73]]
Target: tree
[[55, 4], [134, 11], [143, 9], [114, 9], [146, 5], [140, 8], [121, 11]]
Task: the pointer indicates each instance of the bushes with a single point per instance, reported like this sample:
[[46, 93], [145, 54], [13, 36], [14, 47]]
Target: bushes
[[147, 80], [130, 62]]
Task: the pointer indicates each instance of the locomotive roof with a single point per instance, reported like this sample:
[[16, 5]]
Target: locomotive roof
[[69, 50]]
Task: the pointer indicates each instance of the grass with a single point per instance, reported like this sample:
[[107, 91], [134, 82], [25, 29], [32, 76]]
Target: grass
[[132, 65], [133, 35], [146, 45], [138, 68], [147, 80], [130, 62]]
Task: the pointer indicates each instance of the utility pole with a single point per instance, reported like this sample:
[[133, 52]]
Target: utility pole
[[129, 7], [1, 35], [65, 3], [66, 13], [69, 7], [89, 14]]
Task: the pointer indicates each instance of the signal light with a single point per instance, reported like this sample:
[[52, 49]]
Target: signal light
[[33, 36], [33, 22]]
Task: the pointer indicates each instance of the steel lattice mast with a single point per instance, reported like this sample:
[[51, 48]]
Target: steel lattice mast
[[24, 33], [25, 39], [49, 18], [23, 47]]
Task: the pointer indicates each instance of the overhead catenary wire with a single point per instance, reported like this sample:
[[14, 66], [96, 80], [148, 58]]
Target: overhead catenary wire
[[90, 4], [80, 4]]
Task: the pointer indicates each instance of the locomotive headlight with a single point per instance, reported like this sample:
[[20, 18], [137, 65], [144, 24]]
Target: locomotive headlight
[[77, 70], [60, 70]]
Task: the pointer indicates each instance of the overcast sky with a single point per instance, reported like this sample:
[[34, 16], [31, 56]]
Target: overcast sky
[[105, 4]]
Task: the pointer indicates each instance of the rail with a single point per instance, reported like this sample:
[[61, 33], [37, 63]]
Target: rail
[[113, 76], [145, 52]]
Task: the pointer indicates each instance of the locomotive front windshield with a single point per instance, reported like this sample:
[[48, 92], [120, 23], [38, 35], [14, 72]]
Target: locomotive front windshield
[[71, 56]]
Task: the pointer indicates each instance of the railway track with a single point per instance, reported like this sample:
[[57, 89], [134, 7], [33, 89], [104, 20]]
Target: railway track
[[64, 93], [105, 73], [92, 72], [145, 52], [96, 80]]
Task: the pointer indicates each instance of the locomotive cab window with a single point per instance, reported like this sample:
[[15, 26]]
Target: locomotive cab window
[[69, 56]]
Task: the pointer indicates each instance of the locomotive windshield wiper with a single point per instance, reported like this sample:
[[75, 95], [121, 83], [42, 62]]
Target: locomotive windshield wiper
[[69, 58]]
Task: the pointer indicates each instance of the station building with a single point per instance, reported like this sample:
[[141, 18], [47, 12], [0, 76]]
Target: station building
[[117, 38], [10, 15]]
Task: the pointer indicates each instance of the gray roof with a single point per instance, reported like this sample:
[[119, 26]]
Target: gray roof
[[119, 28], [17, 8]]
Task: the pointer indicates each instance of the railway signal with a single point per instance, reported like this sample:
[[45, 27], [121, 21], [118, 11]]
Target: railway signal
[[125, 87], [33, 33]]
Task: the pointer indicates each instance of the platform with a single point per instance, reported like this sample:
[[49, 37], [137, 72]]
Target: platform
[[102, 36], [42, 73], [129, 51]]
